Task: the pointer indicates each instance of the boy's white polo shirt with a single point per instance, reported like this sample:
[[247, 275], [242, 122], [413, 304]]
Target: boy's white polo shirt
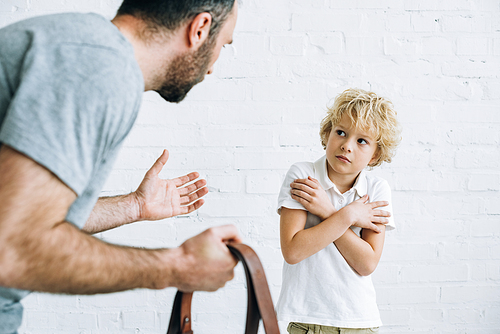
[[323, 289]]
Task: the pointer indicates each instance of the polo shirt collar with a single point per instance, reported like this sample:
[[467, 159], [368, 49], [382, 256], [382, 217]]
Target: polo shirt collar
[[360, 186]]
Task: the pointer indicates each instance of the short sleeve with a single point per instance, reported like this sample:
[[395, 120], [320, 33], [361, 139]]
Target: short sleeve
[[381, 191], [299, 170], [72, 105]]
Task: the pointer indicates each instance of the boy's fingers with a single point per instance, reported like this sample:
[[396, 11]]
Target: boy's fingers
[[382, 213], [363, 199], [379, 204], [375, 228]]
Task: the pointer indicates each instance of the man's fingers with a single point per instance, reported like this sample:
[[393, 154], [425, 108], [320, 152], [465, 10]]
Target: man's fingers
[[159, 163], [182, 180], [192, 187], [192, 207], [186, 199], [227, 233]]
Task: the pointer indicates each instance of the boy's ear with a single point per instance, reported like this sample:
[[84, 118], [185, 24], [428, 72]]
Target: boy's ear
[[199, 29], [375, 157]]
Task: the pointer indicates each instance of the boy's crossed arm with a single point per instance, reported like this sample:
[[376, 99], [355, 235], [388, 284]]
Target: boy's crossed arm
[[298, 243]]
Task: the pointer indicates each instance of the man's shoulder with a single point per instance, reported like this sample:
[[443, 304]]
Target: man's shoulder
[[88, 30]]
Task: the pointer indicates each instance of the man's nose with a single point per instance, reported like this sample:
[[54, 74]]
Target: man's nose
[[210, 70]]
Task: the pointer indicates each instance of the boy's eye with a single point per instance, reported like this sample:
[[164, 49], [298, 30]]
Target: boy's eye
[[341, 133], [362, 141]]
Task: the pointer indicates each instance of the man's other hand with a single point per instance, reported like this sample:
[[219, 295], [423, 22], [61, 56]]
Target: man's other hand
[[205, 262]]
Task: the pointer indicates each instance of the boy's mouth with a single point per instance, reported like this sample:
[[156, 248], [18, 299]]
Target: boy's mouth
[[343, 158]]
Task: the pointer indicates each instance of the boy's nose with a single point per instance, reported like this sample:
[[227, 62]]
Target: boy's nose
[[346, 147]]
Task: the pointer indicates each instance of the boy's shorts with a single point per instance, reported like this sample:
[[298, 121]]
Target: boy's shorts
[[300, 328]]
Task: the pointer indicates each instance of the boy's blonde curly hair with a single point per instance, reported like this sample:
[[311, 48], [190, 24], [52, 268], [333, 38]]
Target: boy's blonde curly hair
[[368, 112]]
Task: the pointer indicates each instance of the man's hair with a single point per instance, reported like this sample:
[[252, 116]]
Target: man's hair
[[171, 14], [368, 112]]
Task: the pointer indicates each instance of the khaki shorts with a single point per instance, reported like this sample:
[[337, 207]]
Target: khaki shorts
[[299, 328]]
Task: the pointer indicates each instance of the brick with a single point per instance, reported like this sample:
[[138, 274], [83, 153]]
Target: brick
[[287, 91], [364, 46], [391, 317], [325, 22], [58, 6], [394, 253], [435, 273], [385, 274], [212, 90], [431, 315], [14, 6], [496, 47], [484, 182], [235, 207], [225, 183], [288, 45], [470, 68], [425, 22], [399, 23], [465, 316], [400, 46], [408, 295], [474, 158], [437, 46], [267, 160], [331, 43], [472, 46], [139, 319], [306, 136], [263, 183], [466, 294]]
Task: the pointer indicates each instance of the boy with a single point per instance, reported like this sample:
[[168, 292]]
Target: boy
[[331, 229]]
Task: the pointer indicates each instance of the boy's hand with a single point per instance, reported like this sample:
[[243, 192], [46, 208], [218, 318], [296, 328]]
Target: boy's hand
[[313, 197], [363, 214]]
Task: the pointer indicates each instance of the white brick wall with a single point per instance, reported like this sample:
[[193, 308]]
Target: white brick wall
[[259, 113]]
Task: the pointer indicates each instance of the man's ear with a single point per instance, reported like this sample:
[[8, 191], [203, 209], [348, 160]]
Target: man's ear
[[199, 29]]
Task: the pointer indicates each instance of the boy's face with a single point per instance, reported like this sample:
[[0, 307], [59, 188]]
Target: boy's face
[[349, 150]]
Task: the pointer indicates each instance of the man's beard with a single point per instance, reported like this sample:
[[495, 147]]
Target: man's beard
[[185, 71]]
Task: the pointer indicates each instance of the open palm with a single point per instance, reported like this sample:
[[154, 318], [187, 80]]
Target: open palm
[[159, 198]]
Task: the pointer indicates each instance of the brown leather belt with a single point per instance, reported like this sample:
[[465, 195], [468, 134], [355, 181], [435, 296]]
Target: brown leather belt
[[260, 303]]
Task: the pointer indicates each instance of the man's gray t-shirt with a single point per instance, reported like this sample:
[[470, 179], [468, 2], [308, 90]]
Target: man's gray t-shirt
[[70, 91]]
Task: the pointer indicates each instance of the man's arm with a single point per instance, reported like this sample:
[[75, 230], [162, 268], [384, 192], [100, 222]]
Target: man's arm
[[155, 199], [40, 251]]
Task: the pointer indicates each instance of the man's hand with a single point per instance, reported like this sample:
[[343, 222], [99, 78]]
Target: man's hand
[[205, 263], [313, 197], [365, 215], [158, 198]]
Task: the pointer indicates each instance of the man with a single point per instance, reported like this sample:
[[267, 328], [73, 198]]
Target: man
[[70, 90]]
